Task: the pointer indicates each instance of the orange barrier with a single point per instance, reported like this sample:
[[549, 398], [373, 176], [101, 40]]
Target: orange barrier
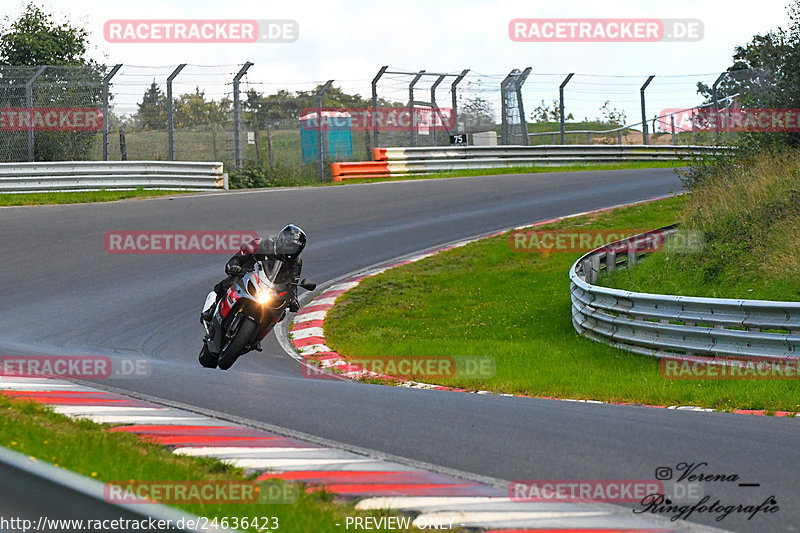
[[379, 154], [360, 169]]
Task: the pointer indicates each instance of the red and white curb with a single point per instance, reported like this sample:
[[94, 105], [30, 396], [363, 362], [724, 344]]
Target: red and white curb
[[308, 337], [428, 498]]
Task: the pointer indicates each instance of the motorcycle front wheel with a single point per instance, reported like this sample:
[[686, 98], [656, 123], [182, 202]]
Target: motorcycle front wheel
[[235, 348]]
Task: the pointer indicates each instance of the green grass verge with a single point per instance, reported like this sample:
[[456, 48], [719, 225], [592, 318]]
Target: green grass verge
[[484, 299], [89, 449], [77, 197]]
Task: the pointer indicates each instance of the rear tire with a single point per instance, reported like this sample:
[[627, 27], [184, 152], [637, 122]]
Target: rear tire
[[235, 348]]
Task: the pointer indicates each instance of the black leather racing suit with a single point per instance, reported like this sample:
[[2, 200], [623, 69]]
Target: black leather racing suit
[[263, 250]]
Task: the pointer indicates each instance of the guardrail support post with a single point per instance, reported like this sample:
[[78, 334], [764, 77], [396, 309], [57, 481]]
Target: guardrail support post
[[645, 137], [375, 105], [29, 103], [237, 115], [455, 99], [320, 141], [106, 81], [414, 81], [170, 121], [561, 106]]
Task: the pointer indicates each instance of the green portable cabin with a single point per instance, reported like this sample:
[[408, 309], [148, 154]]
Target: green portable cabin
[[336, 134]]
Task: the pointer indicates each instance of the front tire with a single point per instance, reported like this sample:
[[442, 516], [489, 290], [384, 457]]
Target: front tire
[[207, 359], [235, 348]]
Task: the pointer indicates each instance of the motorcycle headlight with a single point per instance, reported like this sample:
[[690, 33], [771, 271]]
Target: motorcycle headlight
[[265, 296]]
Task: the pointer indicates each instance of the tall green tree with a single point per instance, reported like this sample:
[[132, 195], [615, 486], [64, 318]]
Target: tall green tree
[[151, 113], [37, 39], [766, 73]]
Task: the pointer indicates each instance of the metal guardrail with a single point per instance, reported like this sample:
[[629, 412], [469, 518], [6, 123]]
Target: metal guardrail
[[677, 326], [111, 175], [422, 160]]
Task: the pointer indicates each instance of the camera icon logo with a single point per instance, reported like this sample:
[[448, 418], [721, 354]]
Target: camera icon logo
[[663, 473]]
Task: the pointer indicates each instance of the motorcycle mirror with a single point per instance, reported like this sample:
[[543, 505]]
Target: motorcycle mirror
[[308, 285]]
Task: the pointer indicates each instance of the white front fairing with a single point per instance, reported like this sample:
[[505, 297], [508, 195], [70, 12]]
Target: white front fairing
[[210, 299]]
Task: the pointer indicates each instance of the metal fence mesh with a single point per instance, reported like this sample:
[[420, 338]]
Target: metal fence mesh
[[271, 131]]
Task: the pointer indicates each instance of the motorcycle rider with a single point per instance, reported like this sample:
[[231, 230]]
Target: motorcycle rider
[[286, 246]]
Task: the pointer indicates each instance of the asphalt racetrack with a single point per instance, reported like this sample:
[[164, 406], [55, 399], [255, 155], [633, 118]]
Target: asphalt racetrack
[[63, 294]]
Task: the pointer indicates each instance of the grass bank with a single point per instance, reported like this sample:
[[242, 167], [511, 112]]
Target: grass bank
[[486, 299], [748, 220]]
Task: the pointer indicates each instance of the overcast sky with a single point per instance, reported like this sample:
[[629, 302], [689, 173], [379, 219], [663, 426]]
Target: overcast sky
[[348, 40]]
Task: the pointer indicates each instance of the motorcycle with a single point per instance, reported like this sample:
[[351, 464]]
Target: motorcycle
[[249, 311]]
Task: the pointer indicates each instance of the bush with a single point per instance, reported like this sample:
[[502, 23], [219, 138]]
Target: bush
[[281, 175]]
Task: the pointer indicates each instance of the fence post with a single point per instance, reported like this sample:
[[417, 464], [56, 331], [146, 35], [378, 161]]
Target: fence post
[[455, 99], [561, 106], [237, 115], [123, 146], [320, 142], [106, 81], [414, 81], [435, 109], [645, 138], [170, 121], [672, 122], [29, 103], [375, 105], [716, 103], [505, 124], [522, 123]]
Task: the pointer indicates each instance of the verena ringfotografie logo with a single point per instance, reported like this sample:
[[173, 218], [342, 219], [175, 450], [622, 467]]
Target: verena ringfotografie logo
[[604, 30], [200, 31], [50, 119], [380, 118], [176, 242]]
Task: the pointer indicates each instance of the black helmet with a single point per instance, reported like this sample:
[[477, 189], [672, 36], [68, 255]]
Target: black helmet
[[290, 242]]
